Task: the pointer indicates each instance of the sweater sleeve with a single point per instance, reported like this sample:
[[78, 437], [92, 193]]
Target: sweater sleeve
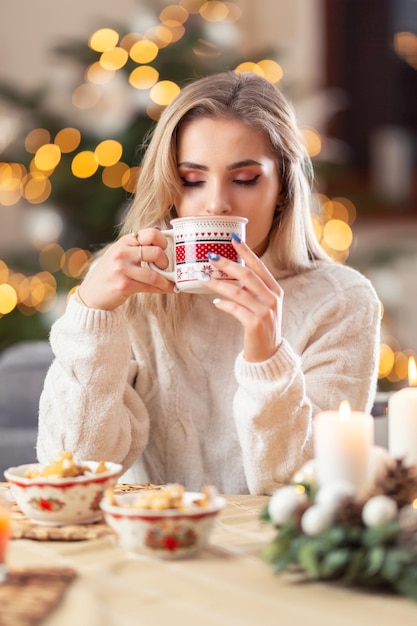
[[88, 404], [277, 399]]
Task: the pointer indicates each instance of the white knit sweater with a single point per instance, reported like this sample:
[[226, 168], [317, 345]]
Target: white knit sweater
[[114, 393]]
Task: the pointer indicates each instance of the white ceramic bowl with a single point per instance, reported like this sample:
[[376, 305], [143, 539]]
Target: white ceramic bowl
[[54, 501], [166, 534]]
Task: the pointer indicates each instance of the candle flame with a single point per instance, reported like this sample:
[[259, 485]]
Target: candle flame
[[344, 410], [412, 372]]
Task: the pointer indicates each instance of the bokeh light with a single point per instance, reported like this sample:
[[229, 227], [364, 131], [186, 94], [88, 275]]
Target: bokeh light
[[36, 138], [113, 58], [47, 157], [108, 152], [214, 11], [173, 15], [143, 77], [74, 262], [68, 139], [85, 164], [103, 39], [312, 140], [96, 74], [8, 298], [143, 51], [112, 176], [164, 92]]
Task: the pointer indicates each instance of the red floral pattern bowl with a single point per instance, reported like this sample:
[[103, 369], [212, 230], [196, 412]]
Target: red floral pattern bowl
[[167, 533], [54, 501]]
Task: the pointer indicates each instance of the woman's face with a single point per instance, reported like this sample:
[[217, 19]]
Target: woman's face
[[228, 168]]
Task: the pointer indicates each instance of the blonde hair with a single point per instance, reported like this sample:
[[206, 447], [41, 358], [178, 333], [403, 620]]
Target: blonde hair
[[255, 101]]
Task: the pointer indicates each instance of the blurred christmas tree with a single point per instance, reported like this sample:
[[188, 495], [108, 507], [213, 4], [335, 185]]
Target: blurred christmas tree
[[77, 152]]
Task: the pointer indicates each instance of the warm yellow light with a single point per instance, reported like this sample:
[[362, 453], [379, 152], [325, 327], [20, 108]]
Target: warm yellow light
[[108, 152], [214, 11], [349, 206], [143, 77], [68, 139], [160, 35], [114, 58], [386, 360], [36, 138], [173, 15], [412, 372], [344, 410], [50, 257], [248, 66], [164, 92], [74, 262], [235, 12], [271, 70], [130, 179], [8, 298], [337, 235], [103, 39], [47, 157], [10, 183], [84, 164], [113, 176], [144, 51], [37, 190], [312, 140], [129, 39], [98, 75], [4, 272]]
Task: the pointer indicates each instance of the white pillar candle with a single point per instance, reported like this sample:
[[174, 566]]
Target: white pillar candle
[[402, 420], [342, 446]]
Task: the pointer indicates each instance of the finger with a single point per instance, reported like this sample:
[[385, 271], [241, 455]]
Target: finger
[[252, 282], [150, 237], [253, 262]]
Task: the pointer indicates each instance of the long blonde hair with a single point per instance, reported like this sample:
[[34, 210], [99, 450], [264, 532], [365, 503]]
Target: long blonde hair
[[254, 100]]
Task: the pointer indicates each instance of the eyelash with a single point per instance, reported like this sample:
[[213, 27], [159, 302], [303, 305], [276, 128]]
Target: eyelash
[[199, 183]]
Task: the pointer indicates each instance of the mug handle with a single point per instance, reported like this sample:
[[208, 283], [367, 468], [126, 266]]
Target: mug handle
[[169, 275]]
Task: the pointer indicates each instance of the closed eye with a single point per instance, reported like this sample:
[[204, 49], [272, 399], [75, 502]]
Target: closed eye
[[250, 181], [191, 183]]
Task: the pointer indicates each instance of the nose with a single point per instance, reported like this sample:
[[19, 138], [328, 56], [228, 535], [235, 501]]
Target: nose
[[217, 201]]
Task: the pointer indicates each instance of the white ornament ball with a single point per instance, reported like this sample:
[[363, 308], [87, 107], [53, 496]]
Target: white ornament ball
[[316, 519], [379, 463], [306, 473], [284, 502], [332, 494], [378, 510]]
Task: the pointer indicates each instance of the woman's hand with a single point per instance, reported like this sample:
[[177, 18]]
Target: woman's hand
[[257, 303], [119, 273]]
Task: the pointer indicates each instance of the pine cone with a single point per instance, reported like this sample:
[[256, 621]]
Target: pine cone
[[407, 521], [400, 484], [349, 513]]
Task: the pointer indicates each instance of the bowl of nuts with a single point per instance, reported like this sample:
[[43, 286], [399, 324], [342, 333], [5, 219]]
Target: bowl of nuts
[[167, 523], [64, 492]]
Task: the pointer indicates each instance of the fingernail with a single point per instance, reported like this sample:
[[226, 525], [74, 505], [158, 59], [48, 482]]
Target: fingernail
[[236, 237], [216, 301], [203, 278], [213, 256]]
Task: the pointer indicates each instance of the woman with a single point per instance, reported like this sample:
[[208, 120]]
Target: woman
[[195, 390]]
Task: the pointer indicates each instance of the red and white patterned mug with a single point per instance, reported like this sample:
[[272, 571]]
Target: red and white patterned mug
[[193, 238]]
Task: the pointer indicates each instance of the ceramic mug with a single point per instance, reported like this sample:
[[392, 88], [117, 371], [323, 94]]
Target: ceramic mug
[[193, 238]]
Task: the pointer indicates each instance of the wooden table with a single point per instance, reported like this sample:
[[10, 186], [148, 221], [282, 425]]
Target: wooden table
[[226, 585]]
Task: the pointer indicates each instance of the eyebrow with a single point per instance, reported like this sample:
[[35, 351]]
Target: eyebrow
[[232, 166]]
